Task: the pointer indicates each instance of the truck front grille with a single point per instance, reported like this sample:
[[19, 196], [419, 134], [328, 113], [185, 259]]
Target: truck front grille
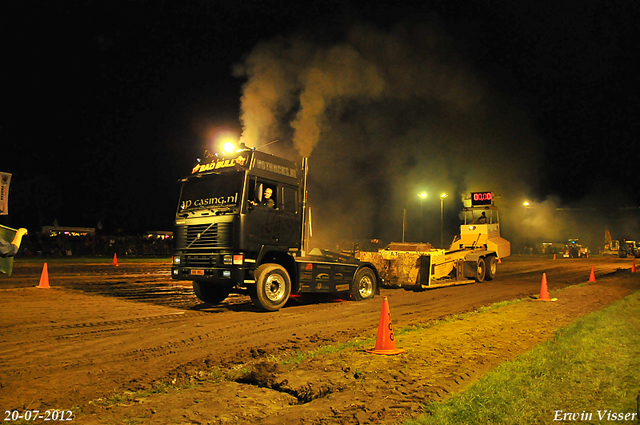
[[215, 235]]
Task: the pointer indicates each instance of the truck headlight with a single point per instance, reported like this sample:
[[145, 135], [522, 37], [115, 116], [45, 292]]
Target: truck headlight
[[176, 260], [236, 260]]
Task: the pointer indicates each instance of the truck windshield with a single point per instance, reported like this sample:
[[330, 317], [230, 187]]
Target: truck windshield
[[214, 192]]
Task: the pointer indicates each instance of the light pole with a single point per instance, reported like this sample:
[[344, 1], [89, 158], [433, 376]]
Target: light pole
[[404, 221], [422, 196], [444, 195]]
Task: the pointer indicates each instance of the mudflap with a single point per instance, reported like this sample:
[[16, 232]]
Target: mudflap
[[469, 269]]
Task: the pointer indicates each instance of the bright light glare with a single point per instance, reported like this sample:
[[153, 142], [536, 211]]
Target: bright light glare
[[444, 195], [223, 140], [422, 195], [525, 203]]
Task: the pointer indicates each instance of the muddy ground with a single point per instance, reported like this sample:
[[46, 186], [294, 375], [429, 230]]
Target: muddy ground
[[103, 337]]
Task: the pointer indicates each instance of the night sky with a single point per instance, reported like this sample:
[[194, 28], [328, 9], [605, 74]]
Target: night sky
[[107, 104]]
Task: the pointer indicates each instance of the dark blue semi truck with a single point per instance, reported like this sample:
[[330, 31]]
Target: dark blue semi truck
[[240, 228]]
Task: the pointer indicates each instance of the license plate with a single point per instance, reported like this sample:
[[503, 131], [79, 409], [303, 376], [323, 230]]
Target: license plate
[[198, 272]]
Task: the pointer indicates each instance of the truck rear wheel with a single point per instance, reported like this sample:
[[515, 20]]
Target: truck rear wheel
[[364, 284], [491, 264], [211, 293], [272, 289]]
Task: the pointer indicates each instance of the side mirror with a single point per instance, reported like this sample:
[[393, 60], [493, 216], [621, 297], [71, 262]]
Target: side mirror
[[257, 193]]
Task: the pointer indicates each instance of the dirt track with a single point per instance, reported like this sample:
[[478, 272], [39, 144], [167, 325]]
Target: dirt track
[[102, 330]]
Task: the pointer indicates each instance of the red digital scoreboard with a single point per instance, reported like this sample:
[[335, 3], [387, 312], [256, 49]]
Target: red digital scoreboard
[[481, 198]]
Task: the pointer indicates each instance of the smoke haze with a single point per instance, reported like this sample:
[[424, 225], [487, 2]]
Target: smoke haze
[[383, 115]]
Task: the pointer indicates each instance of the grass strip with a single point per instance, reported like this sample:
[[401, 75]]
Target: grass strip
[[589, 373]]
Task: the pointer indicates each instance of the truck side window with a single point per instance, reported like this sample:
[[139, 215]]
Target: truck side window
[[289, 199], [268, 197], [263, 194]]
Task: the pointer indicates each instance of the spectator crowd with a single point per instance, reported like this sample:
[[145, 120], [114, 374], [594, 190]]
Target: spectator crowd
[[41, 244]]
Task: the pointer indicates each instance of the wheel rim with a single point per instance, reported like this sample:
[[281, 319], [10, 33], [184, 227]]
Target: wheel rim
[[365, 286], [274, 288]]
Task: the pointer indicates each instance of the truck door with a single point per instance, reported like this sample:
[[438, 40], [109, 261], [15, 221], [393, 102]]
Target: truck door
[[274, 219], [290, 219]]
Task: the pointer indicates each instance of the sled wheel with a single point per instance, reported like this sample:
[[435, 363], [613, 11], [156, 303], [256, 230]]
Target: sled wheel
[[491, 264], [481, 270]]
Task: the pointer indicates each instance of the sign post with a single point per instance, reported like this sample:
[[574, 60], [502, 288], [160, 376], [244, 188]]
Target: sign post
[[5, 180]]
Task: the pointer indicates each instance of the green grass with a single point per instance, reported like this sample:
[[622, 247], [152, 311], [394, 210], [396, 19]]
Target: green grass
[[592, 365]]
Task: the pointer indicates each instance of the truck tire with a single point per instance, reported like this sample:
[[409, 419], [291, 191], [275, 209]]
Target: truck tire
[[491, 264], [622, 254], [211, 293], [481, 270], [273, 287], [364, 284]]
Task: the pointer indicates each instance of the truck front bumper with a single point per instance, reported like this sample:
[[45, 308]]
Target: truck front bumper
[[233, 275]]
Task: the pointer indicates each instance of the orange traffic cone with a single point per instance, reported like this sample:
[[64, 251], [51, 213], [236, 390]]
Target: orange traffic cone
[[592, 276], [44, 278], [554, 256], [633, 266], [384, 342], [544, 290], [115, 260], [499, 261]]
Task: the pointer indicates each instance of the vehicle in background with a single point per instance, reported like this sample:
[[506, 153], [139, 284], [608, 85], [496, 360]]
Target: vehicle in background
[[574, 250], [633, 248], [614, 246]]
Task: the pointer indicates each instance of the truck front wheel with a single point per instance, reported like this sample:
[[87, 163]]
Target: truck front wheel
[[211, 293], [364, 284], [272, 288]]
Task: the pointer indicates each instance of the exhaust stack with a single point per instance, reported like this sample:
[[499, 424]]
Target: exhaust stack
[[303, 238]]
